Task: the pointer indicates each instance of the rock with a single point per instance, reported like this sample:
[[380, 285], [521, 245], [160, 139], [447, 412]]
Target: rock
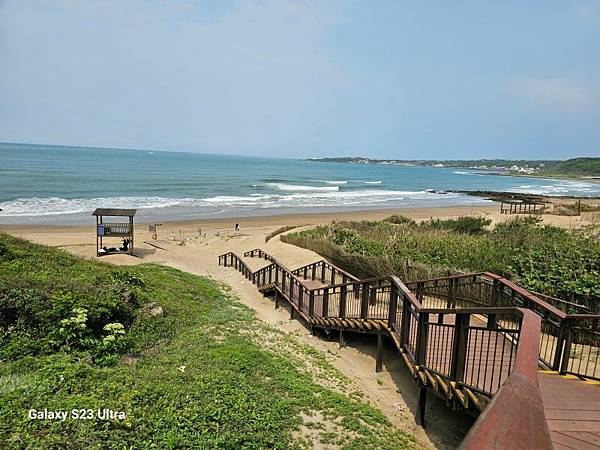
[[128, 298], [131, 358], [152, 310]]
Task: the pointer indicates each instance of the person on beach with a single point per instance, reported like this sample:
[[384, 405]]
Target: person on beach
[[237, 227]]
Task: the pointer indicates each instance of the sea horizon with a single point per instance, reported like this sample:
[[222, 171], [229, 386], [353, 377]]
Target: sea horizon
[[53, 184]]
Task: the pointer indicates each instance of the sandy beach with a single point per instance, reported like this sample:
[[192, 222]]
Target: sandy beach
[[219, 233], [194, 247]]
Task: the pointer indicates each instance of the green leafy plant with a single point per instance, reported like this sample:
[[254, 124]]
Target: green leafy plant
[[73, 329]]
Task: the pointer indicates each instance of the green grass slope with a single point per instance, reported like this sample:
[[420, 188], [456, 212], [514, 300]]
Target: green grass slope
[[207, 373], [576, 166]]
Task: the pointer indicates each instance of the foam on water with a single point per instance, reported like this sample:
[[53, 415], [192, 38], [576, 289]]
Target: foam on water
[[295, 187], [554, 187], [55, 205]]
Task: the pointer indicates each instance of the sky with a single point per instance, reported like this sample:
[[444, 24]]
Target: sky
[[388, 79]]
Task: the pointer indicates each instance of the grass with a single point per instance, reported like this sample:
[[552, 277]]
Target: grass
[[546, 259], [208, 374], [280, 230]]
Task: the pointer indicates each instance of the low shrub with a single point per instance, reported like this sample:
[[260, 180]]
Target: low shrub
[[546, 259], [463, 225], [51, 302]]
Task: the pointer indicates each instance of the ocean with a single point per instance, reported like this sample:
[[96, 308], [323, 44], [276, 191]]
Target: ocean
[[63, 185]]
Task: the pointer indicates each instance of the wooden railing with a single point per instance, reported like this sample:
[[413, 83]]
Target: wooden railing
[[258, 253], [581, 350], [464, 347], [569, 343], [324, 272]]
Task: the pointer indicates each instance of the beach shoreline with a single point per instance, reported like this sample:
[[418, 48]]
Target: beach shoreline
[[80, 239], [296, 218]]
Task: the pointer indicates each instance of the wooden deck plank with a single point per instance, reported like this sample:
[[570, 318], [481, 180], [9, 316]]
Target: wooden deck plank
[[565, 440], [570, 414], [572, 410], [573, 425]]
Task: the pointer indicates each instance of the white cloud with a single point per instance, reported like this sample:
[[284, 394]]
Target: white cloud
[[563, 94]]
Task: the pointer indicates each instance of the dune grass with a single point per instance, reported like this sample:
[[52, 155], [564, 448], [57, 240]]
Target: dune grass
[[280, 230], [547, 259], [206, 374]]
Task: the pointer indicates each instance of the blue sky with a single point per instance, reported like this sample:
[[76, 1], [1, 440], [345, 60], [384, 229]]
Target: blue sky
[[395, 79]]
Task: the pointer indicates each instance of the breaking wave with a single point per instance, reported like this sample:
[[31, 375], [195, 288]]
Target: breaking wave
[[331, 197]]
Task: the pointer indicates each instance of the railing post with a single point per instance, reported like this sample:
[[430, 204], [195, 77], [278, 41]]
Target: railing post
[[450, 301], [325, 312], [420, 291], [364, 301], [373, 295], [311, 304], [459, 347], [379, 353], [495, 293], [322, 273], [305, 270], [422, 331], [332, 276], [564, 365], [405, 329], [300, 298], [343, 291], [393, 306], [313, 272], [560, 342]]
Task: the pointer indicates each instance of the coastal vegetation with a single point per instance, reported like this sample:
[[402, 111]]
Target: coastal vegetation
[[178, 354], [547, 259], [280, 230], [576, 166]]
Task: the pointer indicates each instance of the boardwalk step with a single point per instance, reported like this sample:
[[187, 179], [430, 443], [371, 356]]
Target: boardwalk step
[[477, 400], [266, 287], [462, 398]]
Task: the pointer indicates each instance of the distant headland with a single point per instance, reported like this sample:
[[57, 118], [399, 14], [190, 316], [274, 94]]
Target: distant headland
[[584, 167]]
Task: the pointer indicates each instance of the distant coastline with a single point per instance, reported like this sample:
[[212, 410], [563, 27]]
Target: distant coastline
[[63, 185], [584, 168]]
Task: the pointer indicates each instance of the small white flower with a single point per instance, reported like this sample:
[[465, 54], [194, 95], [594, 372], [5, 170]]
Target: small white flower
[[181, 369]]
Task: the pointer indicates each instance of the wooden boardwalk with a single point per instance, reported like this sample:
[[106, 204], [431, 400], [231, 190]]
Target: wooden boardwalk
[[572, 410], [478, 351]]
